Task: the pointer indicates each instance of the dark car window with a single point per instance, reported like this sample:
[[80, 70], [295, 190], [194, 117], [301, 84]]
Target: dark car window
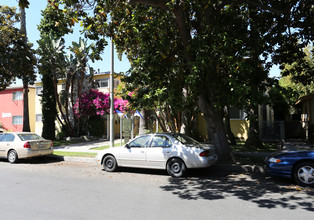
[[28, 137], [185, 139], [7, 138], [161, 141], [142, 141]]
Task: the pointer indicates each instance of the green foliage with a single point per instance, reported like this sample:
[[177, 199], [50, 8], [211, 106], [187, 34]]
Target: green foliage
[[213, 52], [61, 135], [48, 27], [96, 126], [16, 56]]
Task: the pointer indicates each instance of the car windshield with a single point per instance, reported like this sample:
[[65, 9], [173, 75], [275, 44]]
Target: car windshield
[[185, 139], [28, 137]]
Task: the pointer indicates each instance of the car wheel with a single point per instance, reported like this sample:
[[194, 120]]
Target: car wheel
[[12, 156], [176, 167], [303, 174], [110, 163]]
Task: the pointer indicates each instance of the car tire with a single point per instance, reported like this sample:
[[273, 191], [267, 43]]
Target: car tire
[[176, 167], [110, 163], [12, 156], [303, 174]]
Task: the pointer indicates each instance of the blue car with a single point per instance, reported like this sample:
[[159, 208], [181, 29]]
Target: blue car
[[298, 165]]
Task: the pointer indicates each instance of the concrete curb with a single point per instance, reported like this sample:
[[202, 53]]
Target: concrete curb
[[239, 168], [74, 159], [218, 167]]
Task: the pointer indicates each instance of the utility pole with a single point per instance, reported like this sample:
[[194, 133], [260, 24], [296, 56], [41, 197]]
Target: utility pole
[[111, 87]]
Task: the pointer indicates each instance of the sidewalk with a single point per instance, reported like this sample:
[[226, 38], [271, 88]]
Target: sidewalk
[[86, 147]]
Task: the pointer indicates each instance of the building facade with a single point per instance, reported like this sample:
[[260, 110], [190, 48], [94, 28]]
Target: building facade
[[12, 106]]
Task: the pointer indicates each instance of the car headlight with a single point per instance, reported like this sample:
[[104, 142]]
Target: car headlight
[[274, 160]]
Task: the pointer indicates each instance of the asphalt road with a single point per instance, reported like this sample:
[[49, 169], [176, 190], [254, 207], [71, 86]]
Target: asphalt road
[[51, 189]]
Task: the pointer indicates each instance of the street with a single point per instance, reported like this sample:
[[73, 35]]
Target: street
[[53, 189]]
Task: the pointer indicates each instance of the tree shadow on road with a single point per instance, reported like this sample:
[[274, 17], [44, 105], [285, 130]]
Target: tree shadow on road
[[37, 160], [258, 188]]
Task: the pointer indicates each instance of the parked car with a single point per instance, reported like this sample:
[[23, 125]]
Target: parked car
[[17, 145], [298, 165], [171, 151]]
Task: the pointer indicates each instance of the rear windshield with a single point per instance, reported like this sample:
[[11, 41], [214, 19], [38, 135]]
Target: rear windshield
[[185, 139], [28, 137]]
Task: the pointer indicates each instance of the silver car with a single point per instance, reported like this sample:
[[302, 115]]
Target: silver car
[[171, 151], [15, 145]]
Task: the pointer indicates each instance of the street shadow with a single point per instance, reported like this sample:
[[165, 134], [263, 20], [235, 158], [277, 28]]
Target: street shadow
[[37, 160], [141, 171], [265, 191]]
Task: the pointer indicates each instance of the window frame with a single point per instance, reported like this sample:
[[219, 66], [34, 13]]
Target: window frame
[[19, 97], [20, 122], [163, 146]]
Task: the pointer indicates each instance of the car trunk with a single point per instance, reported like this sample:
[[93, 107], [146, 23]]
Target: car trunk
[[40, 145]]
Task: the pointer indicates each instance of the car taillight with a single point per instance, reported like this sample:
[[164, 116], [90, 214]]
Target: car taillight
[[51, 145], [205, 153], [27, 145]]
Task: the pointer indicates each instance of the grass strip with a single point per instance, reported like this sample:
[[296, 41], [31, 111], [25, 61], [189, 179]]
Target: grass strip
[[106, 146]]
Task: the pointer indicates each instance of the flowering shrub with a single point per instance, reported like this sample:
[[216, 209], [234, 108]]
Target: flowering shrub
[[94, 102]]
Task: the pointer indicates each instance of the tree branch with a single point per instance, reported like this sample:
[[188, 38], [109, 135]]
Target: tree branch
[[152, 3], [251, 3]]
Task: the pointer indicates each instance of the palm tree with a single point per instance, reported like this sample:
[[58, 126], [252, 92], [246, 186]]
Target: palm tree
[[26, 126]]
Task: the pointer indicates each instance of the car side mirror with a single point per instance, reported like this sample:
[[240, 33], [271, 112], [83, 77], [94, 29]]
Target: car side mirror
[[127, 146]]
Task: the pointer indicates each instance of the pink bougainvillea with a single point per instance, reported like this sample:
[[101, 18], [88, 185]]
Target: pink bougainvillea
[[94, 102]]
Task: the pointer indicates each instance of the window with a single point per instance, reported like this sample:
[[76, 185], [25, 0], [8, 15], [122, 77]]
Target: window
[[142, 141], [28, 137], [236, 113], [7, 138], [161, 141], [102, 83], [63, 86], [38, 117], [17, 96], [185, 139], [39, 90], [17, 120]]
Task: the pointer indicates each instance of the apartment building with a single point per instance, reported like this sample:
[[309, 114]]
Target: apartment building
[[12, 106]]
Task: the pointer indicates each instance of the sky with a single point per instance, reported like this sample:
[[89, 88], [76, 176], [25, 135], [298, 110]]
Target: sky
[[33, 17]]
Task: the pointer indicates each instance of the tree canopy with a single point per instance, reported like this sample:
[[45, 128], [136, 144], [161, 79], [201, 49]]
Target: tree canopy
[[216, 52], [16, 55]]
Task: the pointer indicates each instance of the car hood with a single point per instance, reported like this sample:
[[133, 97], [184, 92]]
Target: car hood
[[294, 151]]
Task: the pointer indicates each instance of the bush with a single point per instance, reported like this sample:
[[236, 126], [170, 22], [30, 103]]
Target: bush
[[96, 126], [61, 135]]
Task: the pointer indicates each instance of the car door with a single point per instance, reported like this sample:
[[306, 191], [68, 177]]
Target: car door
[[2, 150], [134, 153], [6, 143], [159, 151]]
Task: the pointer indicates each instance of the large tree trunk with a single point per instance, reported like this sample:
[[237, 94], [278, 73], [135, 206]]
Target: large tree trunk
[[229, 133], [26, 126], [215, 128]]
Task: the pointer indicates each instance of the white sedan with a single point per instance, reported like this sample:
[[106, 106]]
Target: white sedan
[[15, 145], [170, 151]]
